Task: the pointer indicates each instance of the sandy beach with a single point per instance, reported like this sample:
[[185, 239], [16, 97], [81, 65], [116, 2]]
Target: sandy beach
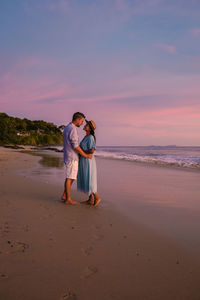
[[141, 243]]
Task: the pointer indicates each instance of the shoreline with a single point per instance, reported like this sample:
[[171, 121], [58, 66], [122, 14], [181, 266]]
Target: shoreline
[[81, 252], [157, 164]]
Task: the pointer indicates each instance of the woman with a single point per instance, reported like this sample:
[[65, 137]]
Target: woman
[[87, 173]]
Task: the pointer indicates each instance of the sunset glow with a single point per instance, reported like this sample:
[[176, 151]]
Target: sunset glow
[[131, 66]]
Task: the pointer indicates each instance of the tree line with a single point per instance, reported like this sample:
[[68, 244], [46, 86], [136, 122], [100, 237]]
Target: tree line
[[26, 132]]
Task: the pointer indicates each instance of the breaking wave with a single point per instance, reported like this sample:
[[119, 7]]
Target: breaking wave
[[167, 160]]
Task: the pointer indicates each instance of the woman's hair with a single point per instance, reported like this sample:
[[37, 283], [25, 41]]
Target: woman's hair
[[92, 132]]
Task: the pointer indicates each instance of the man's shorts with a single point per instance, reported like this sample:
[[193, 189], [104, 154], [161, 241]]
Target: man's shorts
[[71, 169]]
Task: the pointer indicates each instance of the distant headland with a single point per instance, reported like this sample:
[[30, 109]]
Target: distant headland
[[16, 131]]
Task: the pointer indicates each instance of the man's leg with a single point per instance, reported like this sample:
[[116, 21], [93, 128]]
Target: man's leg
[[68, 184], [63, 197], [64, 193]]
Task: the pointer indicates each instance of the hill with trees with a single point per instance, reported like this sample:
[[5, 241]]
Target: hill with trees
[[26, 132]]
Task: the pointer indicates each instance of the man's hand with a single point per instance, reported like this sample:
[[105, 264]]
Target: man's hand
[[82, 153]]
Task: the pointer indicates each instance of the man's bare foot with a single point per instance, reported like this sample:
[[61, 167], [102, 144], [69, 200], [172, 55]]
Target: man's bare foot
[[88, 202], [97, 201], [70, 201]]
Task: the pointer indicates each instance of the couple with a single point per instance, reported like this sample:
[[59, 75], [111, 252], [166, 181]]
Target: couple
[[79, 161]]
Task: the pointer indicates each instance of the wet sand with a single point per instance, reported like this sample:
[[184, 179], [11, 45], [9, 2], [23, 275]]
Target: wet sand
[[52, 251]]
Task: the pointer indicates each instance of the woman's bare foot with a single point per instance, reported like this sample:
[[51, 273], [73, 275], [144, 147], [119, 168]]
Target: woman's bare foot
[[97, 201], [70, 201], [88, 202]]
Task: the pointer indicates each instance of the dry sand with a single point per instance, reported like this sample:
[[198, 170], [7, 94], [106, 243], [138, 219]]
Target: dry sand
[[51, 251]]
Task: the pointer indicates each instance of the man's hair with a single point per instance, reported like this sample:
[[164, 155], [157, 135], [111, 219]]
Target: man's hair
[[78, 115]]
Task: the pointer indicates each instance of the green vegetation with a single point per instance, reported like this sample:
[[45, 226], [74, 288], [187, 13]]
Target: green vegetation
[[26, 132]]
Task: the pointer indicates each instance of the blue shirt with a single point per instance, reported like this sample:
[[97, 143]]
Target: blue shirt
[[70, 142]]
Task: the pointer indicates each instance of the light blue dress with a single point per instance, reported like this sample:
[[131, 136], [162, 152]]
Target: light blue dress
[[87, 172]]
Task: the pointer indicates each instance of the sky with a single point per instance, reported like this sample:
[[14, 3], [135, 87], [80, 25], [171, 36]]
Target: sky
[[132, 66]]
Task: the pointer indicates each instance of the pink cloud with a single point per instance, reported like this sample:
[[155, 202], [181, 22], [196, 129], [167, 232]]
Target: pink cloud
[[167, 48], [183, 112], [148, 82], [62, 5], [56, 98], [195, 32], [52, 5], [20, 87], [122, 5], [145, 6], [144, 81], [179, 125], [132, 36]]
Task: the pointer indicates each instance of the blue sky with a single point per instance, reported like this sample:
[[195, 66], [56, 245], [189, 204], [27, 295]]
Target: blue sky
[[131, 66]]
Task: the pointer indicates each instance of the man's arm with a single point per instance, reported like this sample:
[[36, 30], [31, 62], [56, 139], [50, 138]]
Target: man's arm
[[91, 151], [82, 153], [73, 136]]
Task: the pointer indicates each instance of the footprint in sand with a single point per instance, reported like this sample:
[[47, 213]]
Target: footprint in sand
[[87, 251], [24, 228], [97, 226], [68, 296], [98, 236], [89, 271], [45, 207], [6, 228], [3, 276], [17, 246]]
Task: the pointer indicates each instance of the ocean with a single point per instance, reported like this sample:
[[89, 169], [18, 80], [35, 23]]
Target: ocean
[[183, 157]]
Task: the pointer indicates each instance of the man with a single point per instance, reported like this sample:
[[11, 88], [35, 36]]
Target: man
[[71, 150]]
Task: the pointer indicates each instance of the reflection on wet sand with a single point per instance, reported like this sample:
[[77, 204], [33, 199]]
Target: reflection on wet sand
[[48, 160]]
